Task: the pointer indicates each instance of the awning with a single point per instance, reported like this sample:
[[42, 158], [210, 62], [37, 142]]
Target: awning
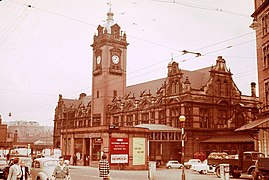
[[262, 123], [158, 127], [230, 139]]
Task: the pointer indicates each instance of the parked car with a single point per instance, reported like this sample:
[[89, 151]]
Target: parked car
[[191, 162], [173, 164], [3, 165], [203, 168], [43, 168]]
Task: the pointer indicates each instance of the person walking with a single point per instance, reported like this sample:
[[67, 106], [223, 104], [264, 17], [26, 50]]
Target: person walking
[[24, 171], [104, 168], [61, 172], [14, 170], [75, 159]]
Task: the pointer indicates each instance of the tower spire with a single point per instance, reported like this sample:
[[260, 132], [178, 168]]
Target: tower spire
[[109, 20], [109, 13]]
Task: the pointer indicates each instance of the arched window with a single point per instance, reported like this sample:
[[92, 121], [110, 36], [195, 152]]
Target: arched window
[[223, 114], [173, 87], [177, 87], [239, 120]]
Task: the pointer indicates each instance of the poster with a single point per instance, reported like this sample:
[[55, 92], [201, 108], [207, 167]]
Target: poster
[[139, 151]]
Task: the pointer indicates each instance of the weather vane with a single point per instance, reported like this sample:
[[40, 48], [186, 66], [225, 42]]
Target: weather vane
[[109, 4]]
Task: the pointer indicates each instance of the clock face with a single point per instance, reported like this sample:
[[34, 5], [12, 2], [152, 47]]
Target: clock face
[[115, 59], [98, 59]]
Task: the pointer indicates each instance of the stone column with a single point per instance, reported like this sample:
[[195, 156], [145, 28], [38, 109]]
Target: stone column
[[72, 150], [90, 159], [84, 151], [61, 142]]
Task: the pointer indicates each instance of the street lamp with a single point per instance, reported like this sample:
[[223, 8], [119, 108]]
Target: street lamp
[[182, 121]]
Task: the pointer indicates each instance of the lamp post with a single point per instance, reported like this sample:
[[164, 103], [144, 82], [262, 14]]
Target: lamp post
[[182, 121]]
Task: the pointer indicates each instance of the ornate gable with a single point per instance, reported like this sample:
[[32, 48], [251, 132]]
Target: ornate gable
[[174, 83], [221, 83]]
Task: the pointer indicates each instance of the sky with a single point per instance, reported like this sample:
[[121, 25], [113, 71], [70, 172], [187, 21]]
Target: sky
[[45, 46]]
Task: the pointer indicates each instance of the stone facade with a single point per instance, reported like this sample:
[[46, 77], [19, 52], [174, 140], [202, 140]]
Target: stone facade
[[209, 99], [260, 24]]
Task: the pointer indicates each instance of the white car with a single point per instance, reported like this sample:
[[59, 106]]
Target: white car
[[43, 168], [173, 164], [203, 168], [191, 162]]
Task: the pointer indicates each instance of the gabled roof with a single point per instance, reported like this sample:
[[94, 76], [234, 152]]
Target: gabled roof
[[69, 103]]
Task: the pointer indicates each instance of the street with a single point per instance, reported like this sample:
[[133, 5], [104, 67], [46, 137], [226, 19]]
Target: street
[[85, 173]]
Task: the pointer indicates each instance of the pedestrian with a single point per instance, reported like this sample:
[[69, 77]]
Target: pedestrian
[[14, 170], [75, 159], [104, 168], [24, 170], [61, 172], [8, 156]]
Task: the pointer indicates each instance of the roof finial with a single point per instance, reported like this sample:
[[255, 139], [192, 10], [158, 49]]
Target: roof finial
[[109, 13]]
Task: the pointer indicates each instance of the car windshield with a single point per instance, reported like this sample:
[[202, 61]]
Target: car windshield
[[257, 155], [204, 162], [50, 163], [28, 163]]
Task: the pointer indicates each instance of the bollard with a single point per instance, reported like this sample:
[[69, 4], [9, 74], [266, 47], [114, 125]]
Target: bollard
[[224, 171], [152, 170]]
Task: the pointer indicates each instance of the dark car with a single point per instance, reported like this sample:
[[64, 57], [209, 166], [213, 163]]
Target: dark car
[[3, 165]]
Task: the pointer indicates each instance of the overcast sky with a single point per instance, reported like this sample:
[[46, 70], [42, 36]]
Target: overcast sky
[[45, 46]]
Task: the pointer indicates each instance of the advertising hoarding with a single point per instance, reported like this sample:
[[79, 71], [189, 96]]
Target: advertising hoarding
[[139, 151]]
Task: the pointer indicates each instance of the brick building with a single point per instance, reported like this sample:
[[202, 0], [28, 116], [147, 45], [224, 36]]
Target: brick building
[[3, 134], [261, 26], [209, 99]]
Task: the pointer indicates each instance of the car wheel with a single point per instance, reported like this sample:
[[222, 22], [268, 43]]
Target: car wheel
[[252, 172], [203, 171], [169, 167], [236, 175], [218, 172], [38, 178]]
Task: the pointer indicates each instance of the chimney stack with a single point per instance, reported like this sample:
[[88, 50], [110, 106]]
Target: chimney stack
[[253, 89], [82, 95], [15, 139]]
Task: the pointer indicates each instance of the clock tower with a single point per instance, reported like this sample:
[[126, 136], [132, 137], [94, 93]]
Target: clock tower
[[109, 68]]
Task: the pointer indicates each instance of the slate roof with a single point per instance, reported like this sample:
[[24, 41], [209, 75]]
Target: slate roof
[[229, 139], [74, 103], [197, 78], [262, 123], [158, 127]]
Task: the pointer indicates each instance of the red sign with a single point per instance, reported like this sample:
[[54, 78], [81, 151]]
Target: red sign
[[119, 150]]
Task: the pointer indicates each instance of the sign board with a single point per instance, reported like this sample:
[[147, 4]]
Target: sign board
[[139, 151], [119, 158], [106, 149], [119, 150]]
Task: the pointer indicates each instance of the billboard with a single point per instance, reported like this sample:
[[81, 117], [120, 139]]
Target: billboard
[[119, 150], [139, 151]]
